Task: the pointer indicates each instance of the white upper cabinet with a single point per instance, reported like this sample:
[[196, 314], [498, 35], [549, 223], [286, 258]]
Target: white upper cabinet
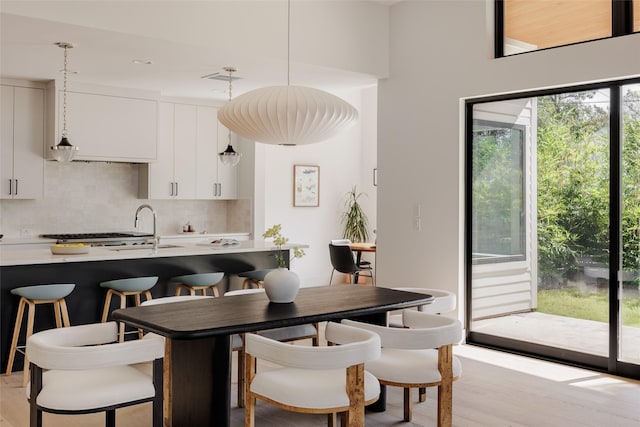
[[184, 151], [22, 133], [188, 166], [173, 175], [108, 124]]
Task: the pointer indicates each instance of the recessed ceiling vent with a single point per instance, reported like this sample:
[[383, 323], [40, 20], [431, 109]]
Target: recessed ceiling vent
[[220, 76]]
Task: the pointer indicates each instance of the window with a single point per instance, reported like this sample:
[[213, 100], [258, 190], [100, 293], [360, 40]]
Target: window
[[528, 25], [498, 192]]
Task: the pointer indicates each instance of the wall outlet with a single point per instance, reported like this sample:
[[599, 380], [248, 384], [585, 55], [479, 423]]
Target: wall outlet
[[417, 217], [26, 232]]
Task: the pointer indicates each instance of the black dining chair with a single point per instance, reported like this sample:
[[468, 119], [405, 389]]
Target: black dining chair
[[343, 262]]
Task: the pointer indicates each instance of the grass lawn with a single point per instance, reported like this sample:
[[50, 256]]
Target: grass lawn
[[588, 306]]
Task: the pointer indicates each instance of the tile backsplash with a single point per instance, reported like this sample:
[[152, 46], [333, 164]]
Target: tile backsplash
[[81, 197]]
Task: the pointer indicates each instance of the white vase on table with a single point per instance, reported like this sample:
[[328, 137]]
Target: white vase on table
[[281, 285]]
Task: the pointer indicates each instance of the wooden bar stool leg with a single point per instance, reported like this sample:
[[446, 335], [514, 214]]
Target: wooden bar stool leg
[[31, 316], [137, 297], [64, 312], [16, 334], [332, 420], [214, 290], [123, 304], [107, 305], [56, 313]]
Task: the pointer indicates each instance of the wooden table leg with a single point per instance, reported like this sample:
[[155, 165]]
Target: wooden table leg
[[200, 388]]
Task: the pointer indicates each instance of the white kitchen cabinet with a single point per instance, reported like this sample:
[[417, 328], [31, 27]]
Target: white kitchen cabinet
[[108, 124], [188, 166], [22, 133], [215, 180], [173, 175]]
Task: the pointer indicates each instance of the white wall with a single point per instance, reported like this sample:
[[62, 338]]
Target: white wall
[[340, 168], [440, 53]]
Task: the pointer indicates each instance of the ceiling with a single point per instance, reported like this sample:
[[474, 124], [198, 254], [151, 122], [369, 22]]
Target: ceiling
[[105, 57]]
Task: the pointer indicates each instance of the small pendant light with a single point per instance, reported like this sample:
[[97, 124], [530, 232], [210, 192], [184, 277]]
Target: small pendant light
[[229, 156], [64, 151]]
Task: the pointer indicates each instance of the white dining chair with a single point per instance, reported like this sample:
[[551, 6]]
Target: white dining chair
[[236, 343], [318, 380], [284, 334], [84, 369], [419, 355], [443, 302]]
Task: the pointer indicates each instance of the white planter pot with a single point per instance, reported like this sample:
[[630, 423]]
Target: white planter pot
[[281, 285]]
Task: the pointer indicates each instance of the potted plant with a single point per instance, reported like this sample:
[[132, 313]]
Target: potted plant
[[354, 219], [279, 240], [281, 285]]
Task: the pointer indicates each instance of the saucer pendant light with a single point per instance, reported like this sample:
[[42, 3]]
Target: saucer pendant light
[[287, 115], [229, 156], [64, 151]]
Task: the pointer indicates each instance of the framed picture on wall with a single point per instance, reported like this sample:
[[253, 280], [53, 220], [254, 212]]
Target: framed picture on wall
[[306, 185]]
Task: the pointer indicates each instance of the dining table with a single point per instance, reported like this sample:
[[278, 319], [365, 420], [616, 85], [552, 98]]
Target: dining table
[[359, 248], [198, 337], [362, 247]]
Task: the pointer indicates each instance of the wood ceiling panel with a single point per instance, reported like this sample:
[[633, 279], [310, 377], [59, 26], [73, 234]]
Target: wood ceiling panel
[[548, 23]]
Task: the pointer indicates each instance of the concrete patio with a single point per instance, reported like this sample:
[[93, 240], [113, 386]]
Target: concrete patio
[[564, 332]]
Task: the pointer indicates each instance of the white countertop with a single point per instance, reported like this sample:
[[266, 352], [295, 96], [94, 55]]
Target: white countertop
[[102, 253]]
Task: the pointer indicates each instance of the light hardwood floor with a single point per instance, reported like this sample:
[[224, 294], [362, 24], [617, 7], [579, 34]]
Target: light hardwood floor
[[496, 389]]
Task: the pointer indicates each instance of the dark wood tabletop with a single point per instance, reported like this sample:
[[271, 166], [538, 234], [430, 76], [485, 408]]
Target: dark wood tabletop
[[250, 312]]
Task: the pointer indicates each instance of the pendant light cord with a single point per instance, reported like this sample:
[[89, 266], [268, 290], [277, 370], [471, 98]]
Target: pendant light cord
[[64, 96], [288, 42], [230, 89]]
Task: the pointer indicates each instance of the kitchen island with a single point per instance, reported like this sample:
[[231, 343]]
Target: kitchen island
[[86, 271]]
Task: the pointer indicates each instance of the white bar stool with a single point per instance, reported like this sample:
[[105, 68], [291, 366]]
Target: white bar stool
[[135, 286], [198, 282], [32, 296], [254, 277]]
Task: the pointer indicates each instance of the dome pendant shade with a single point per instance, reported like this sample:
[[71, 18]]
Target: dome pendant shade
[[64, 151], [287, 115]]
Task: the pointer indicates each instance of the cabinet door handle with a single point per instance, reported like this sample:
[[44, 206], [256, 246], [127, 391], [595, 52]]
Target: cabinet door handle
[[215, 189], [171, 190], [11, 186], [219, 189], [16, 193], [177, 189]]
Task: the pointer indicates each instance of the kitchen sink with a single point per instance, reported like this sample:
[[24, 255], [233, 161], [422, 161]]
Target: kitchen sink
[[144, 246]]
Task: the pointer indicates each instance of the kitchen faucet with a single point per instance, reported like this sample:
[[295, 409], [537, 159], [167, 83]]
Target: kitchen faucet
[[155, 221]]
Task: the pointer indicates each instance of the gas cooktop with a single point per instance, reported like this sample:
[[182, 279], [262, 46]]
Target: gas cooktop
[[109, 238]]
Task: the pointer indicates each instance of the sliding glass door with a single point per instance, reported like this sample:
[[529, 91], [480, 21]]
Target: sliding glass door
[[553, 188], [629, 279]]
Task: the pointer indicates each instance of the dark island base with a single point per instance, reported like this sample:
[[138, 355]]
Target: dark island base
[[85, 303]]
